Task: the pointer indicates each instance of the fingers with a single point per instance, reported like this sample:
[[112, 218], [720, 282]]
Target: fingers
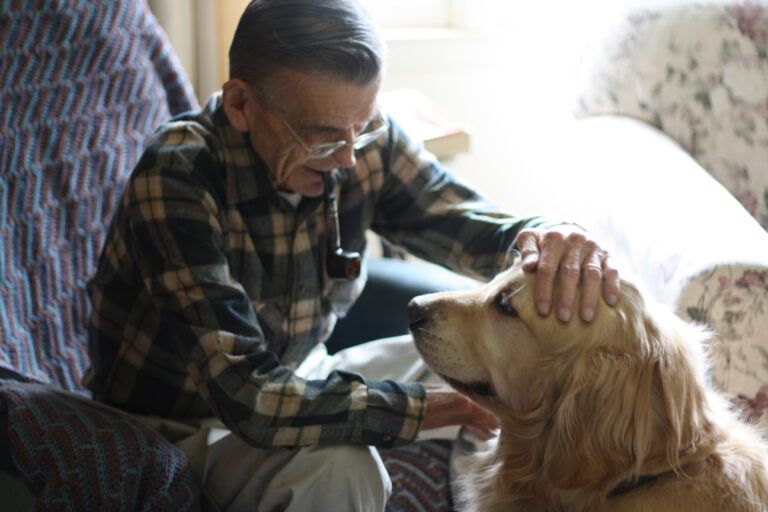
[[577, 264], [569, 275], [552, 250], [483, 434], [611, 282], [447, 407], [481, 422], [561, 260], [591, 280], [528, 244]]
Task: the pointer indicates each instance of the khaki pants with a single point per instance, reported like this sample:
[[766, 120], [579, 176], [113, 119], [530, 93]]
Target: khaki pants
[[236, 476]]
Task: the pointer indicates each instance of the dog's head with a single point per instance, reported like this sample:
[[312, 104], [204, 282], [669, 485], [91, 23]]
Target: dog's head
[[585, 403]]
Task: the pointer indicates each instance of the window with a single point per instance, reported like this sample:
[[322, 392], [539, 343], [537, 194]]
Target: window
[[442, 14], [411, 13]]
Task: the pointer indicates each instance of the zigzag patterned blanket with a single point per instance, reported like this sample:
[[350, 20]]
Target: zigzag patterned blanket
[[82, 84]]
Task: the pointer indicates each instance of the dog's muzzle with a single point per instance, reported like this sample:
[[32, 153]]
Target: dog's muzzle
[[418, 318]]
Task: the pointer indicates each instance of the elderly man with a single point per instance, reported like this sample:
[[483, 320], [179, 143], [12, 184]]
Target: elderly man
[[212, 297]]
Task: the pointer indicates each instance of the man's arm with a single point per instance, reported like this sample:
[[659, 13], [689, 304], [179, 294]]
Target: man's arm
[[424, 208], [438, 217], [179, 242]]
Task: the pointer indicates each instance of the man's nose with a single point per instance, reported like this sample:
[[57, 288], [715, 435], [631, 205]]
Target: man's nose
[[345, 156]]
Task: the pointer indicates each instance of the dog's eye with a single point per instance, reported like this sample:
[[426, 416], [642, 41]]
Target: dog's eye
[[504, 304]]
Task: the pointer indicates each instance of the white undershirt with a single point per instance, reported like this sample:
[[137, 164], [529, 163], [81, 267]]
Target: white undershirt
[[292, 197]]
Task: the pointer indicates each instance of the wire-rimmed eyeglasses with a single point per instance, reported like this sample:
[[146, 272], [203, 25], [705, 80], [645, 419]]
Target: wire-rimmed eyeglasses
[[377, 127]]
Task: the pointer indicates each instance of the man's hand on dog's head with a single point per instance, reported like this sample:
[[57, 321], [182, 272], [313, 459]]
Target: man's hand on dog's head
[[447, 407], [573, 258]]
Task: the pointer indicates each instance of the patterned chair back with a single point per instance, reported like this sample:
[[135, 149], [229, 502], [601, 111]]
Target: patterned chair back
[[698, 71], [82, 85]]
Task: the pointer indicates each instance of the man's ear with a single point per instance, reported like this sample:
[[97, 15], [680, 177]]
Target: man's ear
[[236, 95]]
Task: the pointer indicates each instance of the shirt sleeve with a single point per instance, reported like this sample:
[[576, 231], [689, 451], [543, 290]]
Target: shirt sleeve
[[436, 216], [180, 244]]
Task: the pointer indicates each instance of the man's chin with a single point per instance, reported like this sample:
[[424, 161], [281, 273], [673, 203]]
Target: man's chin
[[312, 193], [303, 180], [306, 181]]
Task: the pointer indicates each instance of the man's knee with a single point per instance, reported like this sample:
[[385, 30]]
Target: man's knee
[[353, 477], [351, 463]]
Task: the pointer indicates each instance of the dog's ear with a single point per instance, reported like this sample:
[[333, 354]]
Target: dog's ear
[[683, 418], [629, 411], [600, 421]]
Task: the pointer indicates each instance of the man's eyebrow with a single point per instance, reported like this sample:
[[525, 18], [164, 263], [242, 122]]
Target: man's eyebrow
[[320, 127]]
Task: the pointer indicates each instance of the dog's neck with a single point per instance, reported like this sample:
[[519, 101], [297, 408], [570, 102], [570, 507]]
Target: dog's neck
[[514, 464]]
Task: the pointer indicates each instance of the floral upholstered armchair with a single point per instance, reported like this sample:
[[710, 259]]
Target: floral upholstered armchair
[[696, 73]]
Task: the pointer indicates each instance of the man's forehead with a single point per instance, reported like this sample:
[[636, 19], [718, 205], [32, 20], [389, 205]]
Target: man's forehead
[[325, 101]]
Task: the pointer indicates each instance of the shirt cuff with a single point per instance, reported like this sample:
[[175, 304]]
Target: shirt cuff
[[395, 413]]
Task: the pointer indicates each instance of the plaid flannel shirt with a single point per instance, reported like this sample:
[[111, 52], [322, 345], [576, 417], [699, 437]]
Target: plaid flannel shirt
[[211, 287]]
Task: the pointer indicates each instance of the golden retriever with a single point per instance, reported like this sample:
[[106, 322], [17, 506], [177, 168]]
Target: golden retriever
[[612, 415]]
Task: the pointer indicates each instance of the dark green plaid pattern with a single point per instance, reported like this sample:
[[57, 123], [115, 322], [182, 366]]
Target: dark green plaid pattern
[[211, 287]]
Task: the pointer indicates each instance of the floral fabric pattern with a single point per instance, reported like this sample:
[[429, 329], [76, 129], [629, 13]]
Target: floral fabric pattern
[[699, 72], [732, 300]]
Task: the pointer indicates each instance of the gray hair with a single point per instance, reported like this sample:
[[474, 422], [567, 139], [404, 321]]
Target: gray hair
[[336, 37]]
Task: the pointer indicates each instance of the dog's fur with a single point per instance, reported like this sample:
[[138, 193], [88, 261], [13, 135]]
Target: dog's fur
[[589, 409]]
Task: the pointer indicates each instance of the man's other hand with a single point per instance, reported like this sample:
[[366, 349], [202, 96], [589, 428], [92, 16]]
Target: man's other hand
[[447, 407]]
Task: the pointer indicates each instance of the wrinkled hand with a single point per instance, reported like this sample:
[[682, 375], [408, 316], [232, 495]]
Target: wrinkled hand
[[447, 407], [571, 256]]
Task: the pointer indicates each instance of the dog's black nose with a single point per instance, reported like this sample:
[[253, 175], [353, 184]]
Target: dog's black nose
[[417, 313]]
